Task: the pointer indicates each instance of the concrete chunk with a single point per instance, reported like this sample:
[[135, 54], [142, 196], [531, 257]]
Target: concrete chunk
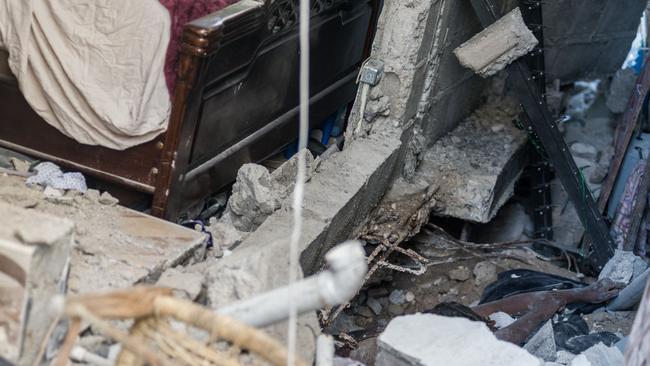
[[34, 261], [432, 340], [542, 344], [474, 167], [253, 198], [623, 267], [599, 355], [497, 45]]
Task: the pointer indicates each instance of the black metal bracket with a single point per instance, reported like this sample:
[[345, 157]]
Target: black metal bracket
[[541, 123], [541, 172]]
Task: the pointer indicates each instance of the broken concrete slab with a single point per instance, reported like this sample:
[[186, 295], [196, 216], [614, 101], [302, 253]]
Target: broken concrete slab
[[253, 198], [476, 174], [542, 344], [498, 45], [623, 267], [34, 263], [224, 234], [253, 270], [188, 284], [115, 247], [284, 177], [337, 201], [426, 339]]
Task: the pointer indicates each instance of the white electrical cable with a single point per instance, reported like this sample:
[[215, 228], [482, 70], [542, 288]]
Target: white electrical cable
[[298, 191]]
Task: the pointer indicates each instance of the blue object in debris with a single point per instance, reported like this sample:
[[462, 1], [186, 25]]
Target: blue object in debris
[[199, 225], [328, 127]]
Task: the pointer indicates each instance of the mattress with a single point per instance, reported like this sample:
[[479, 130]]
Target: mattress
[[94, 69]]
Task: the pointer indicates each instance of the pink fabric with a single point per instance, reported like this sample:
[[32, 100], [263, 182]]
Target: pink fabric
[[623, 218], [181, 13]]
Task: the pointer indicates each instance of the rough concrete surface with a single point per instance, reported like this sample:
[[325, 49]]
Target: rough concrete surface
[[426, 339], [424, 84], [542, 344], [186, 284], [599, 355], [40, 245], [114, 247], [498, 45], [623, 267], [617, 322], [475, 166], [344, 189], [253, 198]]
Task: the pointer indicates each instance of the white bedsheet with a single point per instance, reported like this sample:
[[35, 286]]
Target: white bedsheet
[[91, 68]]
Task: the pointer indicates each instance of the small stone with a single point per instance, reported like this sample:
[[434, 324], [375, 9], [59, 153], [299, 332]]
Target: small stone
[[92, 195], [107, 199], [601, 355], [191, 283], [395, 309], [378, 292], [50, 192], [365, 312], [622, 267], [225, 235], [542, 344], [374, 305], [253, 198], [19, 165], [366, 351], [397, 297], [598, 174], [564, 357], [485, 272], [456, 140], [583, 150], [497, 128], [410, 297], [461, 273]]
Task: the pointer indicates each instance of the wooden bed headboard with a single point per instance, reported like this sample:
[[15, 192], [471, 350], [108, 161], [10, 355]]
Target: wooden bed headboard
[[239, 77], [236, 101]]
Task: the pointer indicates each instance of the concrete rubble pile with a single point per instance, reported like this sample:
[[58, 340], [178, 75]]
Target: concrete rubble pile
[[432, 182]]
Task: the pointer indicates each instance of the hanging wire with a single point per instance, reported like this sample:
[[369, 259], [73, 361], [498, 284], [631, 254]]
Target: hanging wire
[[299, 188]]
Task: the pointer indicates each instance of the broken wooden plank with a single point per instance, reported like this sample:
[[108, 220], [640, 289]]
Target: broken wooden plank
[[625, 130]]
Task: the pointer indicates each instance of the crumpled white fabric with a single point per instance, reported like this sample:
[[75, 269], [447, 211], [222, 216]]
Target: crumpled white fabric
[[50, 175], [91, 68]]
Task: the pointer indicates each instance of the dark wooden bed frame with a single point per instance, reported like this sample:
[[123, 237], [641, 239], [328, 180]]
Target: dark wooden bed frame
[[236, 101]]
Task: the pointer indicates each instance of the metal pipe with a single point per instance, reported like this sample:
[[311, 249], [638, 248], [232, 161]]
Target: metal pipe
[[343, 279]]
